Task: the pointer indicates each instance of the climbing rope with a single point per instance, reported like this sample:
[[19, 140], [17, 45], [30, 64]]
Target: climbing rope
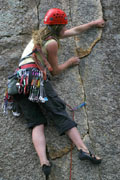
[[73, 117], [73, 114]]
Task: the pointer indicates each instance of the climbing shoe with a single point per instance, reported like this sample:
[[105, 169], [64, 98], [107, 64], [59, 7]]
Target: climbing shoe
[[88, 156], [16, 114], [46, 169], [16, 111]]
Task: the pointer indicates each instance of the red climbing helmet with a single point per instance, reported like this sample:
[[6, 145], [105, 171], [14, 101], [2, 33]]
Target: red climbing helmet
[[55, 16]]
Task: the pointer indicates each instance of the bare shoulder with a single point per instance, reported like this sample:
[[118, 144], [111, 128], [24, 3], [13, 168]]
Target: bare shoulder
[[52, 46]]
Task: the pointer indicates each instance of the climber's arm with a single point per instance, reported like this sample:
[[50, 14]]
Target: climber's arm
[[79, 29], [52, 49]]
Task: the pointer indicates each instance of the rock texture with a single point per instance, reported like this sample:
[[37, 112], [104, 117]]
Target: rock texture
[[95, 81]]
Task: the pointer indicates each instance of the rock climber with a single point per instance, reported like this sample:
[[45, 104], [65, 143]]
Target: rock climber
[[35, 92]]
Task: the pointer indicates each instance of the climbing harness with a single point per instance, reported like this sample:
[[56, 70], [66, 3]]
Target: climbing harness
[[29, 79]]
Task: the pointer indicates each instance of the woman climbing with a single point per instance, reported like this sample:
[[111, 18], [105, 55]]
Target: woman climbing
[[35, 93]]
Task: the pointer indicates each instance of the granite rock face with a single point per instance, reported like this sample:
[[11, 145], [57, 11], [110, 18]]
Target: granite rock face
[[95, 81]]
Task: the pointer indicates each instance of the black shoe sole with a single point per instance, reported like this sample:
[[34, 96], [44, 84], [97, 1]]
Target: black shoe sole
[[84, 156]]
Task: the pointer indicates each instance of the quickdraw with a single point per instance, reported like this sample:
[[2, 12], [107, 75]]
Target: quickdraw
[[37, 91], [23, 81], [7, 103]]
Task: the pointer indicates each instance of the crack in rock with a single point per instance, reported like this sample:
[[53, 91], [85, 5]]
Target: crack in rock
[[37, 9], [84, 99], [85, 52]]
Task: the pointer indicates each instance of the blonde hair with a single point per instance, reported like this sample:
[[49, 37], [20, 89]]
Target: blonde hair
[[40, 36]]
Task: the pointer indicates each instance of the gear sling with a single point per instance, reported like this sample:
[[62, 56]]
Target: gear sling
[[38, 72], [28, 79]]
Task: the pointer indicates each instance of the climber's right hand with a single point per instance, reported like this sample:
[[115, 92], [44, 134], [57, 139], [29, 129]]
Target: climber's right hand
[[74, 61]]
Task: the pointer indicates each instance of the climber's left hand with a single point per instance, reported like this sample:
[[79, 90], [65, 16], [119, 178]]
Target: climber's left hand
[[99, 23]]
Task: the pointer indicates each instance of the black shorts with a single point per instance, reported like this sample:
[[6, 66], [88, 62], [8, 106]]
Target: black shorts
[[34, 112]]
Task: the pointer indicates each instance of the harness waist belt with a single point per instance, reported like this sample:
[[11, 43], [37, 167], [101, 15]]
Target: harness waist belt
[[28, 66]]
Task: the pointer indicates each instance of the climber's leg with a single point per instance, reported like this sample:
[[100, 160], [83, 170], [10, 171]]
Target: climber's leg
[[74, 135], [39, 142]]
